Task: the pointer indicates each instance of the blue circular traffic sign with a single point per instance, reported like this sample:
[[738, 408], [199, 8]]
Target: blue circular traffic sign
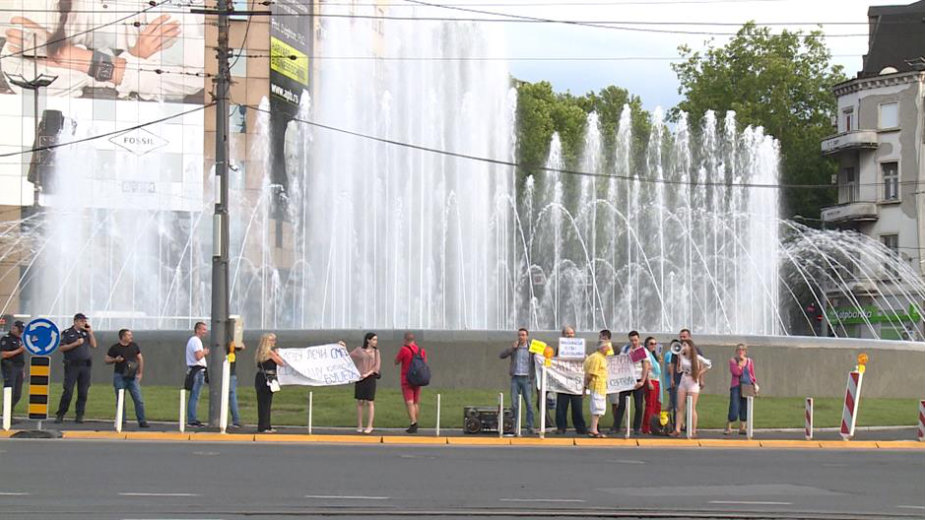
[[41, 337]]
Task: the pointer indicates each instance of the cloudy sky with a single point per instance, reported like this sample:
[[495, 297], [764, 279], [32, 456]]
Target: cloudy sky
[[652, 78]]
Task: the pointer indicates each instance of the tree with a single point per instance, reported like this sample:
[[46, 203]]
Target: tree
[[782, 82]]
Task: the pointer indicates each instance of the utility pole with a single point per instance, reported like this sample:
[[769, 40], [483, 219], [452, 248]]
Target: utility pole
[[220, 297]]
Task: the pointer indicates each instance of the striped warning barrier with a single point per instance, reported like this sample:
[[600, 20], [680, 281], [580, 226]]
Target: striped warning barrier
[[39, 376], [922, 420], [852, 398], [808, 416]]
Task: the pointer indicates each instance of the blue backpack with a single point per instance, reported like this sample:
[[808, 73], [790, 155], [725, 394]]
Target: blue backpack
[[418, 371]]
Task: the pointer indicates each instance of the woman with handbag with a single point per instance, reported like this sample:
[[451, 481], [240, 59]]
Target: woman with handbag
[[368, 363], [265, 382], [744, 384]]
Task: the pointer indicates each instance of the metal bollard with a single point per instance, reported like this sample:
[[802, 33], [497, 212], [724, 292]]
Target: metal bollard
[[500, 415], [808, 416], [437, 431], [689, 416], [750, 418], [182, 410], [626, 403], [120, 409], [223, 403], [7, 408], [311, 403], [543, 408], [520, 407]]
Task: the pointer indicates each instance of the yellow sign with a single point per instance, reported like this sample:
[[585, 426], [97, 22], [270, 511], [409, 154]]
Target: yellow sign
[[537, 347], [288, 61]]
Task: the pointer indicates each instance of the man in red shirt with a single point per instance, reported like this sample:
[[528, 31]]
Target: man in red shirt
[[411, 394]]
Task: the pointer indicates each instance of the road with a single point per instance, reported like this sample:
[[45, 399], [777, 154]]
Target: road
[[147, 480]]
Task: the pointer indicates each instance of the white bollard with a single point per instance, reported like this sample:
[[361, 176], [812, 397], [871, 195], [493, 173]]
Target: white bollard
[[626, 404], [223, 403], [311, 404], [120, 409], [543, 408], [808, 416], [182, 410], [500, 415], [7, 408], [689, 416], [750, 417], [520, 407], [437, 432]]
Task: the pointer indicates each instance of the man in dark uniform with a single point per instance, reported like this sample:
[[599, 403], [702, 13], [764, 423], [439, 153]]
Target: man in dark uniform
[[13, 362], [76, 343]]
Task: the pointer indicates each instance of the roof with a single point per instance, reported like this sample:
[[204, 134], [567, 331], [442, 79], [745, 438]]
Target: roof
[[896, 36]]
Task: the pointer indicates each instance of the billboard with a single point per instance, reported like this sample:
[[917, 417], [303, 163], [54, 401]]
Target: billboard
[[290, 71], [125, 80]]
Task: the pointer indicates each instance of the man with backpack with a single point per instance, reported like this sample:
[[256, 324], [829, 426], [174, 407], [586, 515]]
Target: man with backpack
[[414, 374]]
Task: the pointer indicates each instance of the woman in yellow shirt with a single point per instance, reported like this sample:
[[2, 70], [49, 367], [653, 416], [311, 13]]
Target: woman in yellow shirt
[[596, 381]]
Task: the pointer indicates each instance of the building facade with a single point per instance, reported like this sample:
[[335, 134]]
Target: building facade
[[881, 177]]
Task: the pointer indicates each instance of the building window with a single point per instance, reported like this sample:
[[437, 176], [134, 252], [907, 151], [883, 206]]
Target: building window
[[890, 180], [847, 116], [891, 242], [889, 115], [850, 189]]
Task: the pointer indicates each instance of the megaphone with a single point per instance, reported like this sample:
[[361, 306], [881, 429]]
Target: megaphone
[[676, 347]]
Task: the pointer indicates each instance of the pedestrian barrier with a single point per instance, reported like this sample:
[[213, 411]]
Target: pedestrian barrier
[[689, 416], [626, 404], [922, 420], [808, 417], [437, 432], [7, 408], [501, 415], [311, 405], [223, 406], [849, 412], [120, 409], [520, 407]]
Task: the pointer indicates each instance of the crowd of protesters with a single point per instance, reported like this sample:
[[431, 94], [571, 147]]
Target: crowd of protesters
[[655, 367]]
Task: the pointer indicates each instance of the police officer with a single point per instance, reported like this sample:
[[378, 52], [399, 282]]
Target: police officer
[[76, 343], [13, 362]]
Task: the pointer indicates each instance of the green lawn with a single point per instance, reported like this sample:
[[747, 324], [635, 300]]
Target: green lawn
[[334, 406]]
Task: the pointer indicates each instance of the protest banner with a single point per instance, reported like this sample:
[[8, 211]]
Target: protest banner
[[567, 376], [324, 365], [571, 348]]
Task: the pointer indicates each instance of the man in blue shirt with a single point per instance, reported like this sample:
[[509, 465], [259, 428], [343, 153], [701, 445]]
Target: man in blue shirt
[[522, 374]]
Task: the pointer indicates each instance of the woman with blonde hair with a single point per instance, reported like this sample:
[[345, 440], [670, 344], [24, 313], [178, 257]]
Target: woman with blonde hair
[[265, 382], [692, 366], [743, 385]]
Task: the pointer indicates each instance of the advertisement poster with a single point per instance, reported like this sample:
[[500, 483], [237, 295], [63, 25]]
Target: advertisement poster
[[125, 80]]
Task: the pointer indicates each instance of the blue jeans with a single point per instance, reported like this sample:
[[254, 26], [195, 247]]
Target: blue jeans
[[193, 400], [738, 405], [121, 383], [522, 386], [233, 400]]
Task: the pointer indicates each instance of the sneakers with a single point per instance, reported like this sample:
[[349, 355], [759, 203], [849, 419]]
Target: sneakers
[[234, 426], [196, 424], [59, 419], [79, 419], [413, 428], [144, 424]]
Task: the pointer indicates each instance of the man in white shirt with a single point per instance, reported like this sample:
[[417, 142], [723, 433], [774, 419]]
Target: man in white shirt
[[195, 370]]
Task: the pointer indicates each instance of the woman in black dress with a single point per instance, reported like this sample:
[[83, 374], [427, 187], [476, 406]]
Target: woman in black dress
[[267, 361]]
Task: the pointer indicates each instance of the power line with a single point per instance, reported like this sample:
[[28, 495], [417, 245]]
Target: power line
[[486, 58], [501, 162]]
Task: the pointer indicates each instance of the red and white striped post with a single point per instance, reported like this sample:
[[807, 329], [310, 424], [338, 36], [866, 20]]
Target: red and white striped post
[[922, 421], [809, 419], [849, 415]]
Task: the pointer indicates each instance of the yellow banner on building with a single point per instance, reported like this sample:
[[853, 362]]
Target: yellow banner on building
[[288, 61]]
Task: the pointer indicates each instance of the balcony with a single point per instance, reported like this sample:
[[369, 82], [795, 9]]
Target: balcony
[[851, 212], [854, 140]]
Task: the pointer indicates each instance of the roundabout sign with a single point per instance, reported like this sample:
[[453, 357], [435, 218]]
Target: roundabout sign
[[41, 337]]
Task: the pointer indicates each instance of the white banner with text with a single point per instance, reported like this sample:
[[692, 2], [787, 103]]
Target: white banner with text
[[566, 376], [325, 365]]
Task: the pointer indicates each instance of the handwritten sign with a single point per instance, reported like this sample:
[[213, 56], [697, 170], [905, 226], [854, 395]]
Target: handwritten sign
[[537, 347], [567, 376], [572, 348], [325, 365]]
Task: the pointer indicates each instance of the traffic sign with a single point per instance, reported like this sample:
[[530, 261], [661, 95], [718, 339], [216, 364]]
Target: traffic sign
[[41, 337]]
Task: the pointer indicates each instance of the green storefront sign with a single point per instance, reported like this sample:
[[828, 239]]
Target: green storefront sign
[[872, 314]]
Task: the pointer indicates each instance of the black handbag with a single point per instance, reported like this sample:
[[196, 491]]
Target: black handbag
[[130, 369]]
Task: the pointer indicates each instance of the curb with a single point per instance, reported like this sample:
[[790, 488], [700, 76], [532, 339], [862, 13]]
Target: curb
[[484, 441]]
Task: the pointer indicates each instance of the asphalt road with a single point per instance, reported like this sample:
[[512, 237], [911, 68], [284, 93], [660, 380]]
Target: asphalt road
[[147, 480]]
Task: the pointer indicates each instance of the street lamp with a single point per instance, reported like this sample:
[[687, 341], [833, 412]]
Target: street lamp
[[38, 81]]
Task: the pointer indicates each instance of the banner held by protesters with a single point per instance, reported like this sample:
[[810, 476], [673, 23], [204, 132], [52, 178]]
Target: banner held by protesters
[[566, 376], [324, 365]]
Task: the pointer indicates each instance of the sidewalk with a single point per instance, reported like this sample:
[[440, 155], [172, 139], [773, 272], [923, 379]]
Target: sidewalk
[[867, 438]]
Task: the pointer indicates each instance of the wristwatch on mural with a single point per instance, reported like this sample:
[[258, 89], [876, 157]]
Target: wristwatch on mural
[[101, 67]]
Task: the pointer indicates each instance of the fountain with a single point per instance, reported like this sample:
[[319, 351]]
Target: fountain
[[386, 236]]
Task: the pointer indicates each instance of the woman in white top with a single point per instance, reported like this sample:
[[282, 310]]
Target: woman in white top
[[692, 366]]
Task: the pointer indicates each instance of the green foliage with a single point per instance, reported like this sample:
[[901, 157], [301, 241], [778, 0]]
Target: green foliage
[[781, 82]]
